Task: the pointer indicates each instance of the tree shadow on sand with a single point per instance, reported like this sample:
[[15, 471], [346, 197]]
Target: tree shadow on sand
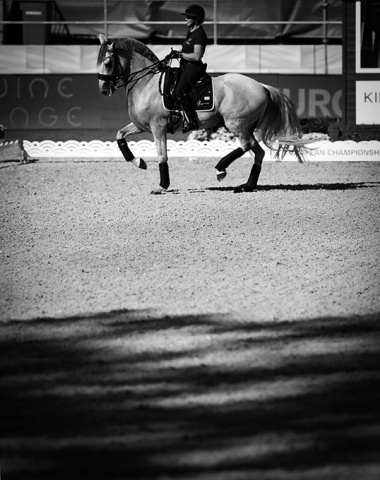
[[130, 395]]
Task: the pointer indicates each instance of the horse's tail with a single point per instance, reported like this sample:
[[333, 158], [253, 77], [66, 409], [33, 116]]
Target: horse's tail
[[280, 124]]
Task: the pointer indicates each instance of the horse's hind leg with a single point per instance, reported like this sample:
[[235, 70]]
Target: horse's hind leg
[[130, 129], [253, 178], [248, 143], [226, 161]]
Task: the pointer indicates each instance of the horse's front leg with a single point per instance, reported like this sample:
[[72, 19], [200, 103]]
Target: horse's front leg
[[162, 154], [130, 129]]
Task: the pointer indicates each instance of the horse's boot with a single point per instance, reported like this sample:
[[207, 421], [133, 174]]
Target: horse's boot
[[188, 107]]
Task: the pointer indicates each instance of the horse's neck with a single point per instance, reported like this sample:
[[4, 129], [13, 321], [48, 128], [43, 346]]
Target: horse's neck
[[141, 73], [138, 63]]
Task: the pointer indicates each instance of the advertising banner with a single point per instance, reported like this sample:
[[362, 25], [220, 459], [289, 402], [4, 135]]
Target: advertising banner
[[74, 101], [368, 102], [368, 36], [49, 102]]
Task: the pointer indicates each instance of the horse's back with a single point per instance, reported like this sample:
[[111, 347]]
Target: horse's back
[[239, 81], [234, 91]]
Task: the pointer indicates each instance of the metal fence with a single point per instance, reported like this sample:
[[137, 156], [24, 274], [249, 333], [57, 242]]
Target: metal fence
[[265, 21]]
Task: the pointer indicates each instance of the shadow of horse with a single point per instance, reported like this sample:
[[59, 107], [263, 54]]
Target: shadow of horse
[[305, 187], [283, 187]]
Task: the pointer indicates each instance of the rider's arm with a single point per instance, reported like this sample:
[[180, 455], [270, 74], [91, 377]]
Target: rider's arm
[[196, 56]]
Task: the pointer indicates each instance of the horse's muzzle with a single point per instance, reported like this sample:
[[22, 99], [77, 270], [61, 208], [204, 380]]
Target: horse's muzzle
[[108, 91]]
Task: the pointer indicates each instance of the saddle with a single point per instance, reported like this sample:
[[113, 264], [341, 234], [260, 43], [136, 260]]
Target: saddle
[[202, 94]]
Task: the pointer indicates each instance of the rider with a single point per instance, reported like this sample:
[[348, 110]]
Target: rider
[[191, 66]]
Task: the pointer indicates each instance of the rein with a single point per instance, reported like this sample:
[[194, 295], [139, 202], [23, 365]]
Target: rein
[[149, 70], [115, 78]]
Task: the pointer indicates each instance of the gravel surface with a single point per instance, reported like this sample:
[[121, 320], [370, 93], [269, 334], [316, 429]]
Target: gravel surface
[[195, 335], [80, 238]]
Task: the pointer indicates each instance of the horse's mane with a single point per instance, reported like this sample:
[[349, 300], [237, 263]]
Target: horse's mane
[[128, 46]]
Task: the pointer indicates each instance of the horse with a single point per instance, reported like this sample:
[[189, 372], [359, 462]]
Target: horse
[[252, 111]]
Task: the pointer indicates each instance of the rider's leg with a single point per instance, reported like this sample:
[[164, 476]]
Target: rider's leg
[[189, 74], [191, 114]]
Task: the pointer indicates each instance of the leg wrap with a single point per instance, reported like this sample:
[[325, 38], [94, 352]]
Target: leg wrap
[[254, 175], [123, 145], [164, 175], [228, 159]]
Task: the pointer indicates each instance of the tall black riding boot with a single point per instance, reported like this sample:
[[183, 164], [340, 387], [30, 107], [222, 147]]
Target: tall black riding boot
[[191, 114]]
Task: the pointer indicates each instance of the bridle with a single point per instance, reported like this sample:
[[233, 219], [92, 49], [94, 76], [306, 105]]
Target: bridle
[[117, 78]]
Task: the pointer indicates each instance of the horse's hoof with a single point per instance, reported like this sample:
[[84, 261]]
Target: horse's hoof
[[244, 188], [158, 191], [221, 175], [139, 162]]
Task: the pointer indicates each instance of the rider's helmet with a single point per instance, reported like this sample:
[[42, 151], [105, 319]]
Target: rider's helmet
[[195, 11]]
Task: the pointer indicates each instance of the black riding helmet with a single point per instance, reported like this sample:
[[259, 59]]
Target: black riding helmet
[[195, 11]]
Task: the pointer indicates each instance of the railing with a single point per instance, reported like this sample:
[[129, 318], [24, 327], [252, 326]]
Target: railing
[[105, 25]]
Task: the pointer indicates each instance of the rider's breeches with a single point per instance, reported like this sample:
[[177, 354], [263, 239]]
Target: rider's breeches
[[190, 73]]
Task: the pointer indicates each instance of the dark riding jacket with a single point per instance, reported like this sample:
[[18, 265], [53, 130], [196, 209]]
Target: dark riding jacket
[[190, 71]]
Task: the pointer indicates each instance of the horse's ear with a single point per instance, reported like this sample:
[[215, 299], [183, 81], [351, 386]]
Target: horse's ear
[[111, 47], [102, 39]]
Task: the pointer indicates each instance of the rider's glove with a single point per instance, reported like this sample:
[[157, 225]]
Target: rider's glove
[[176, 54]]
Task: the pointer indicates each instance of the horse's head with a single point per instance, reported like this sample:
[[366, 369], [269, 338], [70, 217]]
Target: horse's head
[[109, 67], [120, 61]]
